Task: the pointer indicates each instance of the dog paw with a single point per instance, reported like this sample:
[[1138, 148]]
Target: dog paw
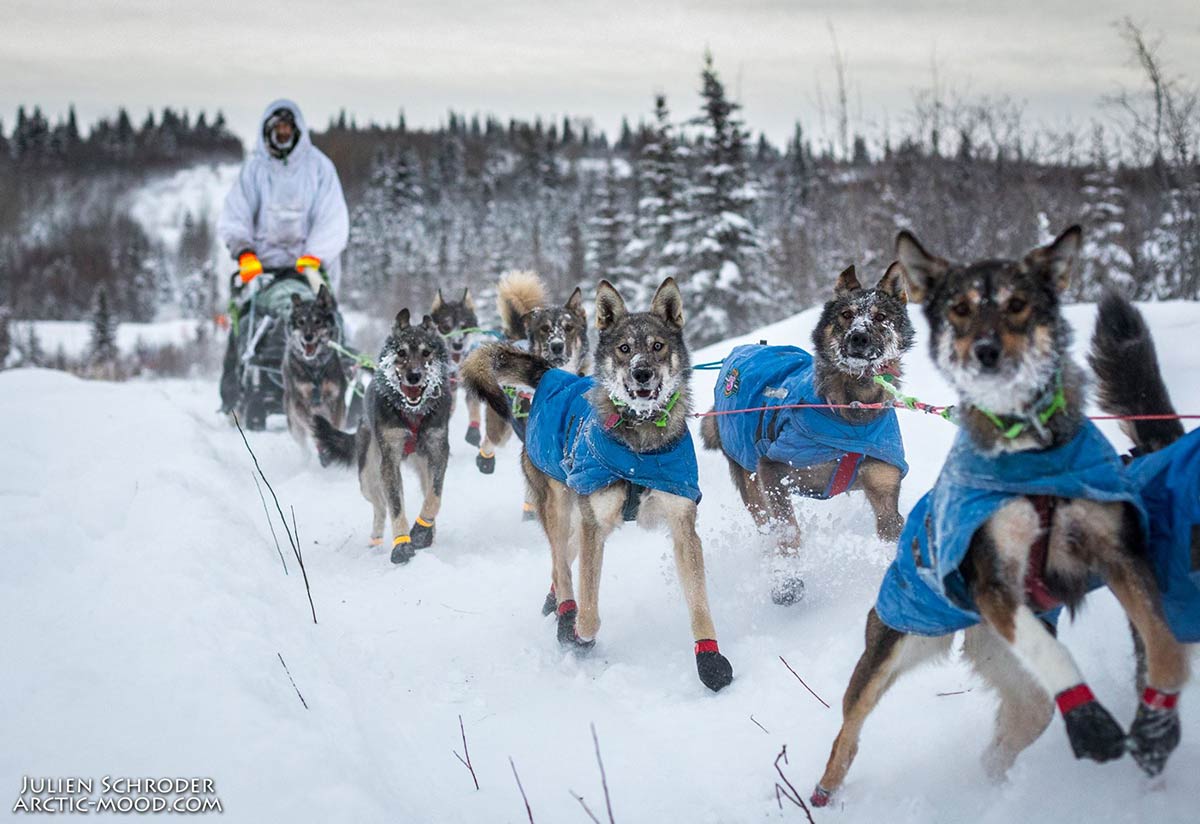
[[714, 669], [787, 590], [820, 796], [486, 463], [528, 513], [566, 628], [472, 436], [1155, 732], [1091, 729], [550, 604], [402, 552], [421, 534]]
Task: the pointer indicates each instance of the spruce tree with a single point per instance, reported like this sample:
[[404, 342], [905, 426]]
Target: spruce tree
[[102, 359]]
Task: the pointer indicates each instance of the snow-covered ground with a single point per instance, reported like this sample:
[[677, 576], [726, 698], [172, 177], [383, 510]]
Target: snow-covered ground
[[144, 609]]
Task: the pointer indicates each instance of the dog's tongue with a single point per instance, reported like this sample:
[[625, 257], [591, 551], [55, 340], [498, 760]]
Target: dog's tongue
[[413, 393], [645, 393], [310, 349]]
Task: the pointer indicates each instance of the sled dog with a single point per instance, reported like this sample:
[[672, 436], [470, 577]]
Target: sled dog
[[457, 322], [1031, 504], [314, 378], [406, 418], [858, 343], [557, 335], [609, 448]]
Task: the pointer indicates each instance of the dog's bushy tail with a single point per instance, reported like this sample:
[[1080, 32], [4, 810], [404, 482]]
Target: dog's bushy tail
[[1128, 378], [709, 434], [518, 294], [333, 445], [489, 368]]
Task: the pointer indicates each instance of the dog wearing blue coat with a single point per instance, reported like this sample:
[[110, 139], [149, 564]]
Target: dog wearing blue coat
[[775, 452], [1033, 507]]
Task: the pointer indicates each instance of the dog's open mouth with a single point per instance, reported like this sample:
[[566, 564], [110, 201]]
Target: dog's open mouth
[[412, 394], [310, 349], [644, 393]]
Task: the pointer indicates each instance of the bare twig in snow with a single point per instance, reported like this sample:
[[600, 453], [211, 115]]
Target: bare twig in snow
[[801, 680], [955, 692], [467, 761], [293, 680], [524, 797], [270, 523], [282, 517], [603, 777], [794, 795], [303, 569], [760, 726], [583, 804]]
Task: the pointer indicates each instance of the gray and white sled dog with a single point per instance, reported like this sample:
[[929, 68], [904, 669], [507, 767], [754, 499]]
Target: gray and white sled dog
[[860, 338], [458, 323], [406, 418], [609, 448], [556, 334], [314, 377], [1032, 506]]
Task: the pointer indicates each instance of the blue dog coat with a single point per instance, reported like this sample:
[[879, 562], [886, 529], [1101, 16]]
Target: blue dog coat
[[1169, 484], [754, 376], [924, 591], [565, 439]]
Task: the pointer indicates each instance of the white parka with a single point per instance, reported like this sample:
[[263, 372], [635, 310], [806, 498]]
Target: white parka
[[281, 209]]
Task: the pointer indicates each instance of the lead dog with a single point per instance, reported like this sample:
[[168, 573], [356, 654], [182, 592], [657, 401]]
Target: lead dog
[[609, 448], [818, 453], [1031, 505], [407, 416]]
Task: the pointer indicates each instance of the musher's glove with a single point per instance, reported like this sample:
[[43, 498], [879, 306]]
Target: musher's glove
[[249, 266], [310, 267]]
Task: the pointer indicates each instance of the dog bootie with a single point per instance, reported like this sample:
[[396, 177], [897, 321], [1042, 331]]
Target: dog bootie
[[551, 602], [714, 668], [473, 434], [486, 463], [1155, 732], [819, 797], [528, 513], [566, 627], [402, 550], [421, 533], [1092, 730]]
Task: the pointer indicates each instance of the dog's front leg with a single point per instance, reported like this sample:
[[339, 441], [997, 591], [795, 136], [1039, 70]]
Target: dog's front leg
[[881, 483], [600, 513], [473, 412], [773, 480], [391, 449], [714, 668], [999, 554], [887, 654], [431, 469]]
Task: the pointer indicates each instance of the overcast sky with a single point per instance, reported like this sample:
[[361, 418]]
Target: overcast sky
[[603, 59]]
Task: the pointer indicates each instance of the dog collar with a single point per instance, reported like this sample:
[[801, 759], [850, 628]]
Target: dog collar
[[617, 418], [1047, 406]]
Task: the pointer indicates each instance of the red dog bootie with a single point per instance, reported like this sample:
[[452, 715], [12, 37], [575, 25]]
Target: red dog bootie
[[1155, 732], [1092, 730], [567, 611], [714, 668], [473, 434]]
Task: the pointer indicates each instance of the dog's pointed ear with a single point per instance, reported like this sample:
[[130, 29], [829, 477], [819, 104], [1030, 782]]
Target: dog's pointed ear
[[401, 320], [668, 304], [324, 296], [575, 303], [427, 323], [610, 307], [892, 282], [922, 270], [466, 299], [438, 300], [1056, 261], [296, 300], [847, 282]]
